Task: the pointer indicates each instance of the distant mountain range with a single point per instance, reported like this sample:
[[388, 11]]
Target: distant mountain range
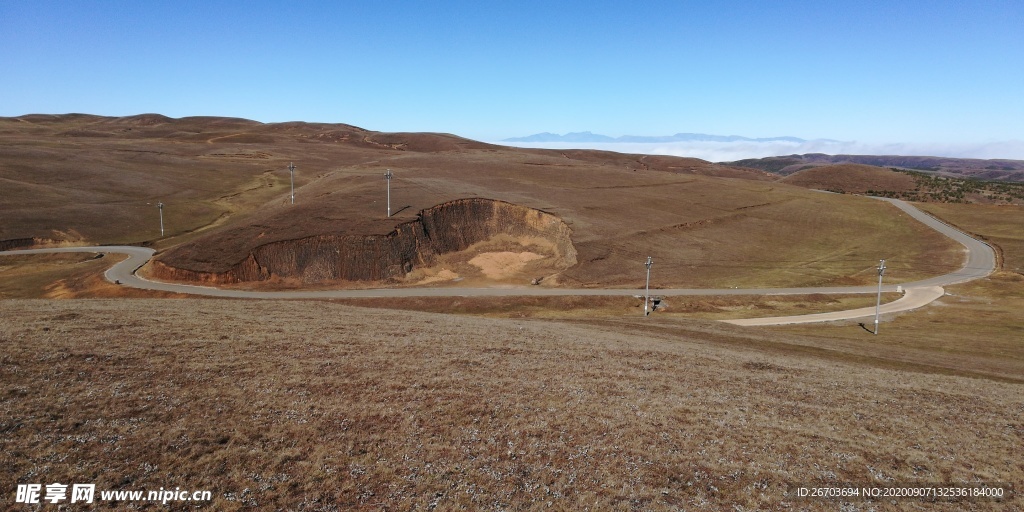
[[679, 137]]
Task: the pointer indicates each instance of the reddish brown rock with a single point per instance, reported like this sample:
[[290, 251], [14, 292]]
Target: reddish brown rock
[[449, 227]]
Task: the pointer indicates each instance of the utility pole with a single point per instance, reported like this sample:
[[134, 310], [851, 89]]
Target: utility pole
[[160, 206], [291, 169], [387, 177], [647, 291], [878, 303]]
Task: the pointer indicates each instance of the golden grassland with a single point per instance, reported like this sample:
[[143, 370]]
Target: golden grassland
[[1002, 226], [30, 275], [63, 276], [93, 180], [511, 403], [977, 326], [318, 406], [685, 307]]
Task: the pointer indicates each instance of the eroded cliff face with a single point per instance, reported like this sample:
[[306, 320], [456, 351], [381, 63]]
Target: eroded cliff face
[[446, 228]]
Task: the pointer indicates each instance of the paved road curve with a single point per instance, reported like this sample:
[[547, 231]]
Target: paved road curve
[[980, 262], [913, 298]]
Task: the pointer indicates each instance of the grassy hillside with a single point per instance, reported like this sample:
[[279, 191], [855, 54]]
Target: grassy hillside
[[976, 325], [982, 170], [97, 179], [1000, 225], [690, 224], [362, 409], [851, 179], [588, 405], [906, 185], [225, 188]]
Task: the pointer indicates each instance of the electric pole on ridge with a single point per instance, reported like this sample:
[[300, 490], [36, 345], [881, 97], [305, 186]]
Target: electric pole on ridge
[[291, 169], [160, 206], [387, 177], [878, 303], [647, 290]]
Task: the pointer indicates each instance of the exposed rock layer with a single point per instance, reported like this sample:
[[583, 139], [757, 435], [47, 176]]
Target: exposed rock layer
[[16, 243], [29, 243], [449, 227]]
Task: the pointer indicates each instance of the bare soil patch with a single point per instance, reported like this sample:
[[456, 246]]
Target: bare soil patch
[[503, 265]]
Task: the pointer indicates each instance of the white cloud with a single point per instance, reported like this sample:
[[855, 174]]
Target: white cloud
[[730, 151]]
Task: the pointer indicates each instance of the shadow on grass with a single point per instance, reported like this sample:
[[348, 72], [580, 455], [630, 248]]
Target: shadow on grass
[[865, 327]]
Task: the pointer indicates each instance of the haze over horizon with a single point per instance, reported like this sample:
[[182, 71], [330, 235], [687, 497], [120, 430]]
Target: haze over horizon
[[937, 78], [728, 151]]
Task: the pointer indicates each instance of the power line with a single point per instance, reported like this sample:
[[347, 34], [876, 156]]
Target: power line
[[291, 169], [647, 290], [878, 304], [387, 177], [160, 206]]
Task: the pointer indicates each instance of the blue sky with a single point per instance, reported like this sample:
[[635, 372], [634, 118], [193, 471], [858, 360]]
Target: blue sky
[[875, 72]]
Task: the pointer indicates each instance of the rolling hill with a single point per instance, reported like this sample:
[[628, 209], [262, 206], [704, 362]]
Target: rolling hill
[[906, 185], [992, 170], [325, 405], [851, 179], [225, 189]]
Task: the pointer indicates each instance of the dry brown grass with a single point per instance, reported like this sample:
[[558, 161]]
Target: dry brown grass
[[63, 276], [318, 406], [687, 307], [1002, 226], [977, 326], [322, 406], [29, 276], [852, 179], [228, 193]]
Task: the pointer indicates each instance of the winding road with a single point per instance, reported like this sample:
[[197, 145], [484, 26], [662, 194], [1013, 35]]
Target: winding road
[[980, 261]]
